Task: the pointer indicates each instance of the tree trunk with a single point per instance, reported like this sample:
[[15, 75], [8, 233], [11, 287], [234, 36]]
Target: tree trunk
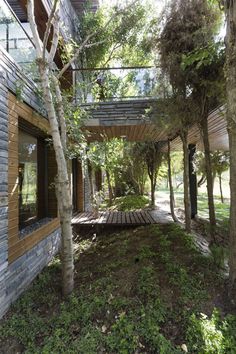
[[62, 186], [230, 11], [152, 191], [221, 191], [209, 177], [172, 198], [109, 187], [201, 181], [187, 209]]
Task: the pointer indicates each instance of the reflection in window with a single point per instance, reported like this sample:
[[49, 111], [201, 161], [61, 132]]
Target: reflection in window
[[27, 179], [15, 37]]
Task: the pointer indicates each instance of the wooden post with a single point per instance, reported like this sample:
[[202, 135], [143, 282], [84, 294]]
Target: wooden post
[[192, 181]]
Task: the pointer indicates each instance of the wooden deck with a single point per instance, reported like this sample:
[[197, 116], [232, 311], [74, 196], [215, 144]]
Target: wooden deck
[[114, 218]]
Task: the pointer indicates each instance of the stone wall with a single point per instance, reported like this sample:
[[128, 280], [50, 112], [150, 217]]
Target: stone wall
[[17, 276]]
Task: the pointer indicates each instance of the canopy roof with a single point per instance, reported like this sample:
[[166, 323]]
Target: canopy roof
[[129, 119]]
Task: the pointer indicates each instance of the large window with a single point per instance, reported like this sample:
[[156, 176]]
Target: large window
[[28, 179], [15, 37]]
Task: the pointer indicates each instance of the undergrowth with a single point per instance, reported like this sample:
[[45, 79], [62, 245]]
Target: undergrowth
[[128, 203], [147, 290]]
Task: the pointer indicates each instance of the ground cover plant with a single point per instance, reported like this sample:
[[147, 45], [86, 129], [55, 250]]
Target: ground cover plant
[[143, 290], [127, 203]]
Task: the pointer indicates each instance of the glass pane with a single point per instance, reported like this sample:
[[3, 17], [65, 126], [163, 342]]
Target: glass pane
[[15, 37], [27, 179]]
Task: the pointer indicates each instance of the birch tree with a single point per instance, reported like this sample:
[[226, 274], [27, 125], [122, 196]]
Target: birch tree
[[53, 100]]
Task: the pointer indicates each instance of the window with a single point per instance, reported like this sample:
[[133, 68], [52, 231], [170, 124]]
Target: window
[[15, 37], [28, 179]]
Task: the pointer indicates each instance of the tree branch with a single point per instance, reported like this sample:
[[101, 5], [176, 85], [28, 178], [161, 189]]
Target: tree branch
[[118, 45], [77, 53], [56, 32], [33, 26], [48, 28], [91, 35]]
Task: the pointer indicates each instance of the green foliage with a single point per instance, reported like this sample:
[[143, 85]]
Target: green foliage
[[130, 203], [146, 253], [219, 161], [192, 62], [147, 299], [219, 255], [211, 335], [203, 57], [123, 338], [123, 40]]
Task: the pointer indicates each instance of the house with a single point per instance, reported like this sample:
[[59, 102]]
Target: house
[[29, 226]]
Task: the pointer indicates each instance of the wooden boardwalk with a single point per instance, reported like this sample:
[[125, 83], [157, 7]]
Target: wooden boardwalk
[[114, 218]]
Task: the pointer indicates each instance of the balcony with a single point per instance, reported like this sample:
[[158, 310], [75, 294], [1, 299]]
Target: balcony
[[15, 38]]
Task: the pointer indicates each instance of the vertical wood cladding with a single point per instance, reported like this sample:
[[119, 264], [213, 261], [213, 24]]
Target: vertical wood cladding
[[80, 187], [98, 179], [17, 246], [52, 172]]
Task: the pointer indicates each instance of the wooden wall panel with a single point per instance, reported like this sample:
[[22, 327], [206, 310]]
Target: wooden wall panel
[[98, 179], [16, 246], [80, 187], [52, 172]]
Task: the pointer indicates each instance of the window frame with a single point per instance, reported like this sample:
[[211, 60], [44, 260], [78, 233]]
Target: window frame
[[42, 169]]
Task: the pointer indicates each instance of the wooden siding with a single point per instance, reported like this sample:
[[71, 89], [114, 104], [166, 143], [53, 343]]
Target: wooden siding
[[80, 187], [52, 171], [217, 129], [17, 246], [98, 179]]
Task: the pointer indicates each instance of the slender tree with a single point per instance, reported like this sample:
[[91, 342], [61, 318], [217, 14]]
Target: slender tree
[[172, 198], [153, 157], [194, 64], [53, 100], [230, 72]]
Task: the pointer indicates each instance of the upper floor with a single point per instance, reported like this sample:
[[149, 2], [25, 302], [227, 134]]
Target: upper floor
[[16, 37]]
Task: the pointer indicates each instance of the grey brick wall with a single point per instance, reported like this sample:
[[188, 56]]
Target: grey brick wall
[[17, 276]]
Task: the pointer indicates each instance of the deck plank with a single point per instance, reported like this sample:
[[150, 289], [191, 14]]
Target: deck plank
[[109, 217], [119, 217], [114, 218], [137, 222], [128, 221], [145, 217], [123, 217]]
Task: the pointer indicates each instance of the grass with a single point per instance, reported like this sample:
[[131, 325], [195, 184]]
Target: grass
[[147, 290], [128, 203], [221, 209]]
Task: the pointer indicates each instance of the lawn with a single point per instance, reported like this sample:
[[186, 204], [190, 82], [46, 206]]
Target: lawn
[[143, 290], [221, 209]]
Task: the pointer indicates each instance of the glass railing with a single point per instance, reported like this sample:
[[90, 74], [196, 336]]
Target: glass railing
[[15, 38]]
